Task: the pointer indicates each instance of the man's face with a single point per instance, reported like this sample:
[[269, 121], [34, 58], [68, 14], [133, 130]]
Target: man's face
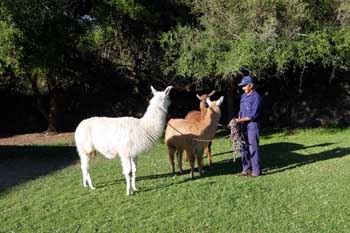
[[248, 88]]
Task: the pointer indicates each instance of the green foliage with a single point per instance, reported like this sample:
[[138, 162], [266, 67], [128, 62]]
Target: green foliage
[[10, 54], [220, 36], [277, 34], [131, 8], [63, 37], [199, 49], [341, 40], [343, 12], [44, 37], [108, 42]]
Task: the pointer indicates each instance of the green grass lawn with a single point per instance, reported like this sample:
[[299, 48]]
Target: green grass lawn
[[305, 188]]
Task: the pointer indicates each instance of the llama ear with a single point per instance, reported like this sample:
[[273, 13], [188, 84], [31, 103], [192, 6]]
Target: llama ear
[[219, 101], [198, 97], [211, 93], [167, 90], [154, 91], [208, 101]]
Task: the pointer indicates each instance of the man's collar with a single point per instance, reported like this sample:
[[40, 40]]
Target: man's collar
[[250, 93]]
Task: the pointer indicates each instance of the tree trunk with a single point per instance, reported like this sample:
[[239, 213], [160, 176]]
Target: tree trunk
[[53, 114], [56, 108], [56, 104], [38, 98]]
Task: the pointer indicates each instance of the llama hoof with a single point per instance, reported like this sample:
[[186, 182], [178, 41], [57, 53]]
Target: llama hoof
[[92, 188], [135, 189], [129, 192]]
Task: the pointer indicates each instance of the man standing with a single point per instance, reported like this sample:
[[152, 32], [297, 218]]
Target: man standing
[[249, 114]]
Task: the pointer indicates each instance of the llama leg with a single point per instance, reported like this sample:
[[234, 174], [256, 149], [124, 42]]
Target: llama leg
[[191, 159], [84, 159], [200, 164], [84, 171], [133, 169], [186, 157], [126, 164], [179, 160], [89, 181], [209, 154], [83, 165], [171, 151]]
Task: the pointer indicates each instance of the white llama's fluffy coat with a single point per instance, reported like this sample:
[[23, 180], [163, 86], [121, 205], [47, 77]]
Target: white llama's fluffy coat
[[125, 136]]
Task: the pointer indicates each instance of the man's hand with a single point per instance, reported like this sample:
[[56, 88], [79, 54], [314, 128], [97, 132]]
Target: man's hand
[[242, 120]]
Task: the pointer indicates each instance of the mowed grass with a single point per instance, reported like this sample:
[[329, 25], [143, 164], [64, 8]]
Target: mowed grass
[[305, 188]]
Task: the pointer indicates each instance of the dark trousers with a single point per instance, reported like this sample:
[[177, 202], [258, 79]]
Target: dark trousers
[[250, 150]]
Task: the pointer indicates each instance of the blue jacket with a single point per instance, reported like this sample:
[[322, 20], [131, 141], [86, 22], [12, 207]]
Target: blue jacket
[[250, 106]]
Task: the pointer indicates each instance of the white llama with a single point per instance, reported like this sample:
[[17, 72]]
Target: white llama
[[125, 136]]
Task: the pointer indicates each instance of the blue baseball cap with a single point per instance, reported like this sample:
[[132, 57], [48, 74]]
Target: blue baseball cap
[[246, 80]]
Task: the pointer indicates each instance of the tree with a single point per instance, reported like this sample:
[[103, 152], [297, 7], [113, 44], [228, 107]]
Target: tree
[[51, 46], [41, 48], [270, 35], [9, 53]]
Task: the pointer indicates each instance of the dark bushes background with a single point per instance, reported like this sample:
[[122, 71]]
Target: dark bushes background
[[286, 103]]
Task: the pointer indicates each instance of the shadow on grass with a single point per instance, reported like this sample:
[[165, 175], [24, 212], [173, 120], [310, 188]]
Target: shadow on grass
[[279, 157], [150, 177], [186, 175], [283, 156], [19, 164], [276, 157]]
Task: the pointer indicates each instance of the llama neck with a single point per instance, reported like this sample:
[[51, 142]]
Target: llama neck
[[203, 112], [203, 108], [154, 114], [202, 105], [210, 124], [154, 121]]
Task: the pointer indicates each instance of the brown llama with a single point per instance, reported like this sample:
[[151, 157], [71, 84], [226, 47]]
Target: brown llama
[[196, 115], [192, 136]]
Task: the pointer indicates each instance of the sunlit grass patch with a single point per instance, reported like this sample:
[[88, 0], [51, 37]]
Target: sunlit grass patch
[[305, 188]]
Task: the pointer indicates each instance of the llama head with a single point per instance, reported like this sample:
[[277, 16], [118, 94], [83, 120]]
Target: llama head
[[205, 96], [215, 103], [214, 106], [202, 99], [161, 98]]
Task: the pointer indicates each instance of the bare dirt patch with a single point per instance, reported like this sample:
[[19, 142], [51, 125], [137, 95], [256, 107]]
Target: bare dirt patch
[[37, 139]]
